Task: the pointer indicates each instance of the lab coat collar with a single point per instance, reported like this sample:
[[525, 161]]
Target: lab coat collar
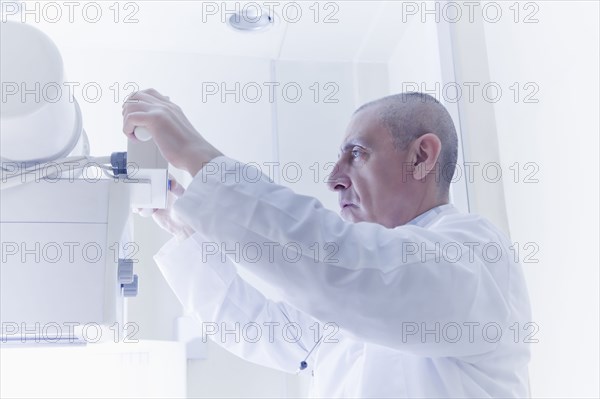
[[426, 217]]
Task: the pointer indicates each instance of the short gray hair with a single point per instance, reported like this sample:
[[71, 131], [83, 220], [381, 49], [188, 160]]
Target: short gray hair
[[410, 115]]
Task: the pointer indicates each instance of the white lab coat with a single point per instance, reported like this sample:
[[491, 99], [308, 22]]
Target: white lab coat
[[467, 305]]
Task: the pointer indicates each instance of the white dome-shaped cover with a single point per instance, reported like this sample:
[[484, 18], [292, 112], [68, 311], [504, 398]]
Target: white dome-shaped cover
[[39, 120]]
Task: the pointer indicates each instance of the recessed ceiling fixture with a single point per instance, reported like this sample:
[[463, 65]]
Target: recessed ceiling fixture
[[251, 18]]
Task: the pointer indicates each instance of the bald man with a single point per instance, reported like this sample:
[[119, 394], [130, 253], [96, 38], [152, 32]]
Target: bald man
[[407, 301]]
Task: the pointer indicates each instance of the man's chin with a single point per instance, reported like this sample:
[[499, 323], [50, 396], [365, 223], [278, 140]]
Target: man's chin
[[349, 216]]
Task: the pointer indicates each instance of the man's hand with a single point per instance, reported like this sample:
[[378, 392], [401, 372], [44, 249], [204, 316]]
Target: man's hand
[[166, 218], [179, 143]]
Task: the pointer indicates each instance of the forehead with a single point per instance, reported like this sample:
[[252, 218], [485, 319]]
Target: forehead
[[365, 129]]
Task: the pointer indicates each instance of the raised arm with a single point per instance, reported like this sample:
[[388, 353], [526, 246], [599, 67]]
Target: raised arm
[[232, 312], [374, 285]]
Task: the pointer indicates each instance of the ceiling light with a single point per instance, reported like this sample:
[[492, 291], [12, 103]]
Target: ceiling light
[[251, 18]]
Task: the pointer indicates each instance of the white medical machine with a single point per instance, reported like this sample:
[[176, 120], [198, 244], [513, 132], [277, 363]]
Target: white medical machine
[[68, 254]]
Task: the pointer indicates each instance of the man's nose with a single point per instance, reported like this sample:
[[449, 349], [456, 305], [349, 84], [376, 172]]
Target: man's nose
[[338, 179]]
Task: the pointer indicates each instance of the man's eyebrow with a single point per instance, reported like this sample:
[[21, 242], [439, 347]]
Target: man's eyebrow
[[349, 145]]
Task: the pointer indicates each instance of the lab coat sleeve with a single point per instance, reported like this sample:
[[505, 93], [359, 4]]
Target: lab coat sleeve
[[231, 312], [363, 277]]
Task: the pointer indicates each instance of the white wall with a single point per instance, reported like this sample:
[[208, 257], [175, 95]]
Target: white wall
[[411, 68], [558, 214]]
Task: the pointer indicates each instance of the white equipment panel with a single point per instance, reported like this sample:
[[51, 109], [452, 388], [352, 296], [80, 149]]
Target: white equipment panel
[[61, 244]]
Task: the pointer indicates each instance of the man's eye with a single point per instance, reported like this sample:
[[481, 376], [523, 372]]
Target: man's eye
[[356, 153]]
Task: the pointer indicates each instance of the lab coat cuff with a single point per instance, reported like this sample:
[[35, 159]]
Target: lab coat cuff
[[221, 171], [223, 183], [214, 167]]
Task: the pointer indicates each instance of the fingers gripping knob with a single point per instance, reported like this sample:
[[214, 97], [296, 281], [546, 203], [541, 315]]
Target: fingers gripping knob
[[141, 133]]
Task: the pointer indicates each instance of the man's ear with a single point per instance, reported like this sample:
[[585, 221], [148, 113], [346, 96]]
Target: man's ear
[[426, 151]]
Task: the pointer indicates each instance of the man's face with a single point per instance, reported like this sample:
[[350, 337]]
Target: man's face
[[369, 175]]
